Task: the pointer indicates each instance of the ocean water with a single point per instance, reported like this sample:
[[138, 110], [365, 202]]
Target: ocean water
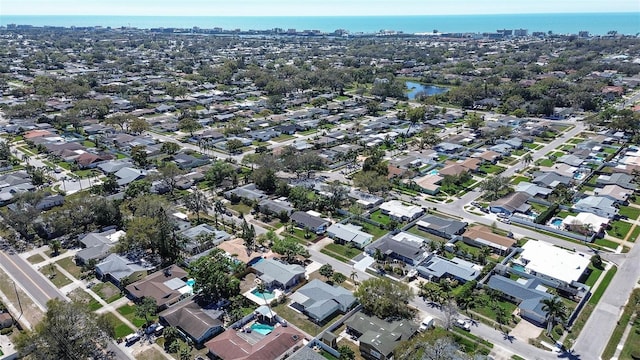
[[595, 23]]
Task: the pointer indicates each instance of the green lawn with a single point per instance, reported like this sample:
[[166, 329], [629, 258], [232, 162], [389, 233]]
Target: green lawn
[[606, 243], [283, 137], [630, 212], [593, 277], [603, 286], [80, 295], [70, 265], [334, 255], [89, 144], [634, 234], [121, 329], [55, 276], [240, 207], [545, 162], [518, 179], [378, 216], [107, 291], [35, 259], [343, 250], [129, 312], [619, 229], [491, 169], [373, 230], [486, 306]]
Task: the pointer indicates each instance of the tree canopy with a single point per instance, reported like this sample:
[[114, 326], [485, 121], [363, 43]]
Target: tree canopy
[[385, 298], [212, 276]]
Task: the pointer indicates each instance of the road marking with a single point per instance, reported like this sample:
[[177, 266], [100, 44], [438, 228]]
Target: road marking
[[30, 279]]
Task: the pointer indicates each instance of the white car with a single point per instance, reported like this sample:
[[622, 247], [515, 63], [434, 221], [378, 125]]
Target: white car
[[462, 325]]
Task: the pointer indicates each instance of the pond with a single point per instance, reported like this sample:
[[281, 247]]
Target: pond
[[417, 88]]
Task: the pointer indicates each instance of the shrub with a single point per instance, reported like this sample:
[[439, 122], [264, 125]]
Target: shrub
[[6, 331], [551, 210], [558, 330], [635, 355]]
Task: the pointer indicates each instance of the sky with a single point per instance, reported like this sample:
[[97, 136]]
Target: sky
[[309, 7]]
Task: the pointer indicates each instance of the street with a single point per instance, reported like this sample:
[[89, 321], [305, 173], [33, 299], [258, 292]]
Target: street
[[30, 280]]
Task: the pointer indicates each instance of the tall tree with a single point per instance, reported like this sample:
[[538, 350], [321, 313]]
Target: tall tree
[[289, 248], [146, 307], [212, 276], [138, 125], [70, 331], [189, 124], [326, 270], [556, 312], [385, 298], [196, 202], [169, 173]]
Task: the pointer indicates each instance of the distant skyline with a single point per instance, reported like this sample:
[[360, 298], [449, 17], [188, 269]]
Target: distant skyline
[[309, 7]]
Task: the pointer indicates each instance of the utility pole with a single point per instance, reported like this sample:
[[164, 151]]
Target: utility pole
[[19, 303]]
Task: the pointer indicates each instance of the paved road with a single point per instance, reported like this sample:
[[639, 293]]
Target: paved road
[[598, 329], [30, 280]]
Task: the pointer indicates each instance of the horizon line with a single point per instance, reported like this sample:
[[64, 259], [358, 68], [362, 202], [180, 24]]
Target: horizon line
[[338, 15]]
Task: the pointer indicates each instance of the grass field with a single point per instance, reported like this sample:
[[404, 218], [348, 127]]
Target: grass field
[[630, 212], [603, 286], [343, 250], [71, 267], [633, 341], [129, 311], [121, 329], [107, 292], [35, 259], [55, 276]]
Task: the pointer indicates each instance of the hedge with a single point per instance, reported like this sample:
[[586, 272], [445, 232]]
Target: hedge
[[547, 214]]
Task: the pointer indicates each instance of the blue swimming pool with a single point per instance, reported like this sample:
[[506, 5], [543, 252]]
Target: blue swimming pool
[[557, 222], [262, 328], [433, 172], [267, 295], [518, 267]]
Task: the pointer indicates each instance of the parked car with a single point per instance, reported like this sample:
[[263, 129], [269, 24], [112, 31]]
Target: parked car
[[427, 323], [462, 325]]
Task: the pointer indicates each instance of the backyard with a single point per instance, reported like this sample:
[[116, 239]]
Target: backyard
[[301, 321], [129, 311]]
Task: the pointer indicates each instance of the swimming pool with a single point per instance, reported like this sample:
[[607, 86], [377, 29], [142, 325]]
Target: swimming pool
[[518, 267], [433, 172], [579, 176], [267, 295], [262, 328], [191, 282], [557, 222]]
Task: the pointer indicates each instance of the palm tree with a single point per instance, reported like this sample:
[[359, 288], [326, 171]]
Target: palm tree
[[218, 208], [483, 254], [527, 158], [262, 289], [556, 312], [353, 276], [55, 247]]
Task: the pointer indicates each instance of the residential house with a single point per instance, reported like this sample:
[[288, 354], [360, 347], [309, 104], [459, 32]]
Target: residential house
[[187, 162], [277, 274], [502, 149], [444, 227], [399, 211], [349, 233], [430, 183], [526, 293], [197, 323], [166, 287], [276, 207], [90, 161], [249, 192], [314, 223], [448, 148], [553, 263], [378, 338], [114, 268], [599, 205], [616, 193], [533, 190], [620, 179], [319, 300], [584, 222], [365, 199], [111, 167], [436, 267], [513, 203], [97, 245], [489, 156], [550, 179], [480, 235], [196, 235], [570, 159], [127, 175], [402, 246], [233, 345], [50, 201]]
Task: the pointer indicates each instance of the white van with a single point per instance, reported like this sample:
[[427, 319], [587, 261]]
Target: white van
[[427, 323], [131, 339]]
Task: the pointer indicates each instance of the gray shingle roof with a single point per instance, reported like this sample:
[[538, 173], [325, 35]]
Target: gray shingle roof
[[280, 272], [321, 299], [439, 267]]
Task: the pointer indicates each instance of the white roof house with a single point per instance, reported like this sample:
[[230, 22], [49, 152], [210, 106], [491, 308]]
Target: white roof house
[[552, 262], [585, 219], [350, 233], [397, 210]]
